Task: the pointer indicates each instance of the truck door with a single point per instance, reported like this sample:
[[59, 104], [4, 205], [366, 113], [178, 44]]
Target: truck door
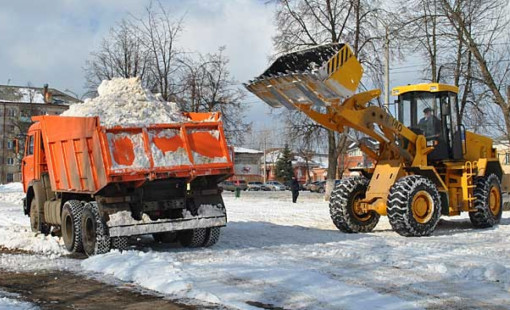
[[28, 162]]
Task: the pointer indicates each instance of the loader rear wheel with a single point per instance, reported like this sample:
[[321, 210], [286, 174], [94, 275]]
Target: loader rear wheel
[[192, 238], [212, 236], [36, 222], [488, 202], [414, 206], [343, 206], [71, 225], [94, 232]]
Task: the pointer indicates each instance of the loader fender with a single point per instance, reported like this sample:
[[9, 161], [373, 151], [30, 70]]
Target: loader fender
[[487, 167]]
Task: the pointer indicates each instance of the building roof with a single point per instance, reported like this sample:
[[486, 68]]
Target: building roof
[[26, 94], [243, 150]]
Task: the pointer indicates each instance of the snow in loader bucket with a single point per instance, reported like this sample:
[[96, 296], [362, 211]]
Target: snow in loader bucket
[[314, 76]]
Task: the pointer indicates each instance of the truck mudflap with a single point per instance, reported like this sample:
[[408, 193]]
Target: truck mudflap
[[122, 223]]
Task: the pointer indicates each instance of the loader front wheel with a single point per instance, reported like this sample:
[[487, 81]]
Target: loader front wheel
[[96, 239], [488, 202], [343, 206], [414, 206], [71, 225]]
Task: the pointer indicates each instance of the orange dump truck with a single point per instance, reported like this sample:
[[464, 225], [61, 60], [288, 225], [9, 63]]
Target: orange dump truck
[[97, 186]]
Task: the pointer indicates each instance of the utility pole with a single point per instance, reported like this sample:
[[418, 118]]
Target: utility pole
[[387, 70], [265, 147]]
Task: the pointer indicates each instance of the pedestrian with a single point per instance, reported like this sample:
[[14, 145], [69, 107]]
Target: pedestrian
[[294, 187]]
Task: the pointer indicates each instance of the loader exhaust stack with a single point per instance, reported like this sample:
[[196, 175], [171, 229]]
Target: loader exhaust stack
[[315, 76]]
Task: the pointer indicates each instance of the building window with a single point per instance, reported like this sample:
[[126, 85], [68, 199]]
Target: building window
[[10, 177], [11, 112], [10, 128], [507, 159], [10, 145], [10, 161]]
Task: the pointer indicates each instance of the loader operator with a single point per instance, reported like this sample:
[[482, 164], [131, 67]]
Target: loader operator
[[430, 125]]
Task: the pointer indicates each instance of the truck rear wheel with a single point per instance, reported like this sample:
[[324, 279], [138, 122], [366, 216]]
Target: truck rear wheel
[[71, 225], [94, 234], [488, 202], [212, 236], [192, 238], [342, 207], [414, 206], [36, 221]]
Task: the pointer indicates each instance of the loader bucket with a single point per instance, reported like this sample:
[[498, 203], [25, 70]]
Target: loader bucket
[[314, 76]]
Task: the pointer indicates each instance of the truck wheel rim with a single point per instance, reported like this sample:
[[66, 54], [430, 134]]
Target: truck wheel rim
[[68, 231], [358, 214], [494, 200], [89, 233], [422, 206]]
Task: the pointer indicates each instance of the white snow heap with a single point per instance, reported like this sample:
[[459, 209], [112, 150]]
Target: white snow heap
[[124, 102]]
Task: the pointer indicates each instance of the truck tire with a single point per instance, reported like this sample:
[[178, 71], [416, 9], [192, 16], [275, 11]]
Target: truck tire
[[165, 237], [341, 204], [36, 221], [192, 238], [71, 225], [212, 235], [94, 231], [119, 243], [414, 206], [488, 202]]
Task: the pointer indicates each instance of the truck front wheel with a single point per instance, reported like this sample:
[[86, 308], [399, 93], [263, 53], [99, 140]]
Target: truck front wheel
[[36, 222], [94, 235], [71, 228]]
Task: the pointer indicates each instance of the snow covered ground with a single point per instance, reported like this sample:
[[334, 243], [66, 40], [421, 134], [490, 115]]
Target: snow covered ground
[[289, 255]]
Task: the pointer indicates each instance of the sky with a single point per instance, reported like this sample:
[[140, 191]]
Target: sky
[[43, 43], [49, 41]]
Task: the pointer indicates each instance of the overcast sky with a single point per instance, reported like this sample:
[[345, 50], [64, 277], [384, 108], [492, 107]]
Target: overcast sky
[[49, 41]]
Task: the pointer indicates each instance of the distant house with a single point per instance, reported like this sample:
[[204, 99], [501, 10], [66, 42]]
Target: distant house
[[503, 152], [247, 164], [17, 105]]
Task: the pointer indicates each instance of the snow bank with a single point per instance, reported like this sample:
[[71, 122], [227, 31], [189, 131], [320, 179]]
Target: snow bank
[[15, 232], [10, 301], [11, 187], [124, 102]]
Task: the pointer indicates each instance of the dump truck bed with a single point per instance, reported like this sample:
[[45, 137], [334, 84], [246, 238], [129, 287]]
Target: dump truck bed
[[83, 156]]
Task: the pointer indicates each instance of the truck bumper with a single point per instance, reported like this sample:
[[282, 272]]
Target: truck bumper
[[166, 225]]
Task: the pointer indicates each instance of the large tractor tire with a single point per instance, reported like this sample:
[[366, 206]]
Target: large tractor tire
[[36, 222], [193, 238], [414, 206], [488, 202], [212, 236], [71, 225], [96, 239], [342, 206]]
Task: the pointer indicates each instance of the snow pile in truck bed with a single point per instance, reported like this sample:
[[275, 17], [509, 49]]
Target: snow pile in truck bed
[[124, 102]]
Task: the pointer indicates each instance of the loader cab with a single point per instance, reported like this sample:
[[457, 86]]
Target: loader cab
[[432, 110]]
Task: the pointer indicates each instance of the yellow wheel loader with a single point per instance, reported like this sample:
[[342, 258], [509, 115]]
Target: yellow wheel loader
[[426, 163]]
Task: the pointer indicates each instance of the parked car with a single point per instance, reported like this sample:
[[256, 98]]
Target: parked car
[[275, 186], [255, 186], [318, 187], [232, 185]]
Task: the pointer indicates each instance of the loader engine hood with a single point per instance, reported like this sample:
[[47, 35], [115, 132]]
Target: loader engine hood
[[314, 76]]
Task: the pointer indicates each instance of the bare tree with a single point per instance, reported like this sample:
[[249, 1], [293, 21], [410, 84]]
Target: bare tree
[[492, 24], [306, 23], [121, 54], [208, 87]]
